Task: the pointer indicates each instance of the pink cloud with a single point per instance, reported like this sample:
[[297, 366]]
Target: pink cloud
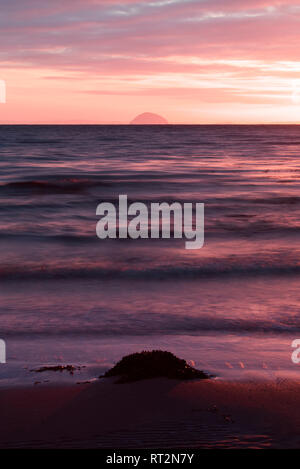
[[140, 45]]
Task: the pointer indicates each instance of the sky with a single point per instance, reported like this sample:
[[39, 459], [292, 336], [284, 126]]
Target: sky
[[192, 61]]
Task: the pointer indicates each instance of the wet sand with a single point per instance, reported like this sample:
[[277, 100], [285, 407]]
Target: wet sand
[[157, 413]]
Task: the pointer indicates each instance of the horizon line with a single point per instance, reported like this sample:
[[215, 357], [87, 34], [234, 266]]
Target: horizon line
[[147, 125]]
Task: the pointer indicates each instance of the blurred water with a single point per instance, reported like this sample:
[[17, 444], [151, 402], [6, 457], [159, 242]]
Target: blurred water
[[59, 282]]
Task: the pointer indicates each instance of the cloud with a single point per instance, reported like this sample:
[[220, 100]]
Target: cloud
[[80, 32], [235, 50]]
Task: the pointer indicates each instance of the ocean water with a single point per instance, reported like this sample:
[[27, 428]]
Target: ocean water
[[68, 297]]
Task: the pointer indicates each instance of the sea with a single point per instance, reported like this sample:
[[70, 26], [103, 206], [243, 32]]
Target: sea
[[69, 298]]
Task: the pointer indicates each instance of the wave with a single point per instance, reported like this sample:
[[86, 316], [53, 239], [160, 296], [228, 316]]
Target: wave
[[151, 324], [44, 272], [151, 188], [242, 228], [74, 183], [38, 141], [47, 187]]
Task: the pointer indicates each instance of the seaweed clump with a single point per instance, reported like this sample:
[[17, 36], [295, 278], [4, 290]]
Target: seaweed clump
[[154, 364], [70, 368]]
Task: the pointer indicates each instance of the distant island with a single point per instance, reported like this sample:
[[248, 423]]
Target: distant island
[[148, 118]]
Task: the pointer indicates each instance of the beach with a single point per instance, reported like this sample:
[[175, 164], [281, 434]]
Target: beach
[[158, 413], [150, 227]]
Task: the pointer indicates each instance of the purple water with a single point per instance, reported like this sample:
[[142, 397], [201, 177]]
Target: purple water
[[67, 297]]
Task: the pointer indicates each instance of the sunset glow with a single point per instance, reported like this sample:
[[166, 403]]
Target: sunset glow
[[205, 61]]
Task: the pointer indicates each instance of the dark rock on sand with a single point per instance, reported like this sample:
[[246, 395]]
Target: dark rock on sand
[[154, 364]]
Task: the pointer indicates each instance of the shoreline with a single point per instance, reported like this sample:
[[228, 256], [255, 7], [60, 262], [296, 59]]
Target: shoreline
[[152, 413], [227, 356]]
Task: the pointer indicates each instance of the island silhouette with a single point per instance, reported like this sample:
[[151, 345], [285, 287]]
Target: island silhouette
[[148, 118]]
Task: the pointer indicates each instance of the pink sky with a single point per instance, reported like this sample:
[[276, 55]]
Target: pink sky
[[193, 61]]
